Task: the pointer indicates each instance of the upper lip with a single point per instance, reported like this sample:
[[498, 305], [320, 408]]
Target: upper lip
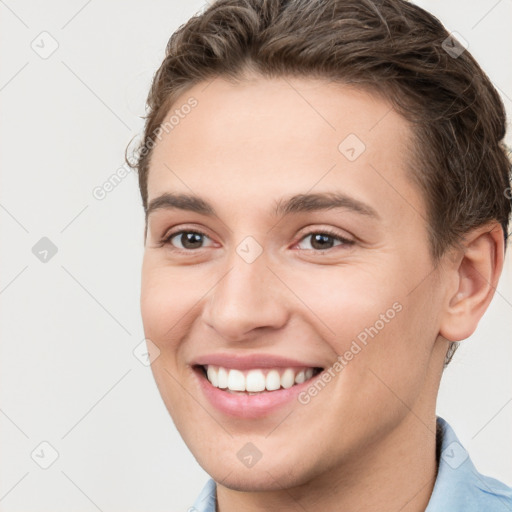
[[246, 362]]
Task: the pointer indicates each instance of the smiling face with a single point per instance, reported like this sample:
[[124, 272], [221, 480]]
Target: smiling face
[[294, 238]]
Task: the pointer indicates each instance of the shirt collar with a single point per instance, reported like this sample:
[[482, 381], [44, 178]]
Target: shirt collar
[[459, 487]]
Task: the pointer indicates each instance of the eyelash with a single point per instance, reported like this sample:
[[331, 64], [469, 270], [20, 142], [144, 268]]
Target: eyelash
[[344, 241]]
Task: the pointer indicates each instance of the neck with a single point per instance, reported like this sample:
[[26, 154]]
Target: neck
[[396, 472]]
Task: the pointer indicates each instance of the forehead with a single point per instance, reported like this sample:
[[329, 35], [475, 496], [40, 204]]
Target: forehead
[[261, 137]]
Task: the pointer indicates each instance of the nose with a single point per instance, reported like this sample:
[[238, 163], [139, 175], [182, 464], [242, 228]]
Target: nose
[[249, 296]]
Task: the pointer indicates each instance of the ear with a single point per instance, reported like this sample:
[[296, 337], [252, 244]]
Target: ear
[[476, 269]]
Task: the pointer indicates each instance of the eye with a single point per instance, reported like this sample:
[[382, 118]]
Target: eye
[[186, 240], [322, 240]]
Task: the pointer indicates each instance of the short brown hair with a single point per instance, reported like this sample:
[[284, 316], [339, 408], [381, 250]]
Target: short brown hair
[[390, 47]]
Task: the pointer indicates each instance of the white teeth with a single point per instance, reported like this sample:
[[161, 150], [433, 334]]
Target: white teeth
[[288, 378], [273, 380], [213, 376], [222, 377], [255, 381], [236, 380], [300, 377]]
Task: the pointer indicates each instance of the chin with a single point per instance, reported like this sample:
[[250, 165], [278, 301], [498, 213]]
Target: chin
[[256, 482], [262, 477]]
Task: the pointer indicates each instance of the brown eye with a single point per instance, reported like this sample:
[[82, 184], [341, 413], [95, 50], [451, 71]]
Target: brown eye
[[187, 240], [322, 240]]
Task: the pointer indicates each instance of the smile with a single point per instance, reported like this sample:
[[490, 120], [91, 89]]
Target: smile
[[257, 380], [252, 390]]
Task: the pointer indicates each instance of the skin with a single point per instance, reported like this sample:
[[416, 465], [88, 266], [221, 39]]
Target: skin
[[367, 440]]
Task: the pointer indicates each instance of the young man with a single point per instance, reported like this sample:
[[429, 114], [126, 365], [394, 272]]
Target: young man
[[326, 202]]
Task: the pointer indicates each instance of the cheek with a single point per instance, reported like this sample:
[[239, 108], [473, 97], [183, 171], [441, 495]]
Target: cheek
[[378, 329], [158, 309], [347, 302], [392, 368], [167, 302]]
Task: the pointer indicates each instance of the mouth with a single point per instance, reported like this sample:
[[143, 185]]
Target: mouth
[[255, 381]]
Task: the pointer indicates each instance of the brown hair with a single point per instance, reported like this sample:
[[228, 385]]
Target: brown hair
[[390, 47]]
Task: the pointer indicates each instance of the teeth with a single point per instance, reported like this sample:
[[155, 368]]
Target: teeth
[[213, 376], [273, 381], [299, 378], [222, 377], [288, 378], [254, 381], [236, 380]]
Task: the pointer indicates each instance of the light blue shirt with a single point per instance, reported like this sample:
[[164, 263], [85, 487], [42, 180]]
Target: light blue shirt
[[459, 486]]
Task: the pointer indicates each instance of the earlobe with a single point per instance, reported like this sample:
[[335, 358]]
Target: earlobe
[[477, 272]]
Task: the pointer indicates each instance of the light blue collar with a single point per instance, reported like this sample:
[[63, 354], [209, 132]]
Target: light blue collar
[[459, 486]]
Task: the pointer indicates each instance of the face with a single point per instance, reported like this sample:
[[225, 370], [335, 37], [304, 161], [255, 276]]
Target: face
[[285, 238]]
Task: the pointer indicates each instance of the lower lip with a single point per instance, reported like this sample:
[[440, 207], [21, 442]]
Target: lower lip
[[249, 406]]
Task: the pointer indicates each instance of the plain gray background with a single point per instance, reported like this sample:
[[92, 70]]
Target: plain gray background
[[70, 324]]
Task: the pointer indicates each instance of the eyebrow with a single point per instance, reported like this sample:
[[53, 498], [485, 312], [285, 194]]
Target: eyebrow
[[294, 204]]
